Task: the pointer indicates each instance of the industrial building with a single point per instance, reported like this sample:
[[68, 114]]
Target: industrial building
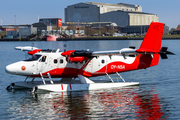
[[122, 14], [25, 32], [22, 31], [48, 24]]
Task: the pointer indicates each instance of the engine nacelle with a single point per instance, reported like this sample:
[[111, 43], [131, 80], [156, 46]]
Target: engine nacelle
[[67, 53], [76, 59], [70, 58], [34, 51]]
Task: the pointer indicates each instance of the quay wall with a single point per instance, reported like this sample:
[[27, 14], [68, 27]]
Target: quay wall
[[92, 38], [112, 38]]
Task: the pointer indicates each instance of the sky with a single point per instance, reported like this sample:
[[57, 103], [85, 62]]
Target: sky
[[27, 11]]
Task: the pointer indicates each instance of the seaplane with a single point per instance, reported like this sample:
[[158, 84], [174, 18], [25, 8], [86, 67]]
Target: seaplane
[[84, 64]]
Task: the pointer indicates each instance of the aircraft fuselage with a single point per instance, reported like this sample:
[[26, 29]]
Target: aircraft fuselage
[[57, 66]]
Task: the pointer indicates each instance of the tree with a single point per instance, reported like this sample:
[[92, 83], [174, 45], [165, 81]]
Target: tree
[[103, 30], [82, 28], [71, 27], [111, 31], [3, 33], [171, 30], [90, 31]]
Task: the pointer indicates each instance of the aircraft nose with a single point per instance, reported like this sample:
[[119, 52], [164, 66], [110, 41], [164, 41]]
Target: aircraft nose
[[10, 69]]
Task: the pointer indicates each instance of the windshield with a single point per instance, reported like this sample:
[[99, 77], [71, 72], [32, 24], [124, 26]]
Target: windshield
[[34, 58]]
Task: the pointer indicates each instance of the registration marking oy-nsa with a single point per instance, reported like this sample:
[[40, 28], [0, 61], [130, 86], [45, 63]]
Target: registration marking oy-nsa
[[117, 66]]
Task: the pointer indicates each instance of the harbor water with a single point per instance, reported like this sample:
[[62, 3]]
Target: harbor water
[[157, 96]]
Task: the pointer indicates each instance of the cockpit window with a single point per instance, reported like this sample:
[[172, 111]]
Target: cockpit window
[[34, 58], [43, 59]]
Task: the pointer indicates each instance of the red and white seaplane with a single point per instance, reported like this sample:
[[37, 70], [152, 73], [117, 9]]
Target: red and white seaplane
[[83, 64]]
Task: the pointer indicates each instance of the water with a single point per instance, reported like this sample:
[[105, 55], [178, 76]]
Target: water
[[157, 96]]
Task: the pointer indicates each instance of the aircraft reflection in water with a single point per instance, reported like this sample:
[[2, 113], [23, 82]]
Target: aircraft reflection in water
[[117, 103], [149, 106]]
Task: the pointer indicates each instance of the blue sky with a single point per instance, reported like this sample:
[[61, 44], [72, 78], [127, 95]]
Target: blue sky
[[27, 11]]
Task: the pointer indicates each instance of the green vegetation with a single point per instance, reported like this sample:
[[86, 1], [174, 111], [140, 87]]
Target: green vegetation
[[3, 33], [71, 27], [171, 35]]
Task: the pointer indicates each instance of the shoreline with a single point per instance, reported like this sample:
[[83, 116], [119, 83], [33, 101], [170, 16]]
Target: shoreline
[[92, 38], [113, 38]]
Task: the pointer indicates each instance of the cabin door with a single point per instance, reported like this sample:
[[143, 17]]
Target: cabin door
[[42, 63]]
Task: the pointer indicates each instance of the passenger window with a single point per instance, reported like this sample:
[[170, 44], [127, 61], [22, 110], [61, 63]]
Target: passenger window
[[61, 60], [55, 61], [102, 61], [43, 59]]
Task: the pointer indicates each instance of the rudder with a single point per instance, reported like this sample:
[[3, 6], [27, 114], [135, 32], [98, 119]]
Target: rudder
[[151, 44]]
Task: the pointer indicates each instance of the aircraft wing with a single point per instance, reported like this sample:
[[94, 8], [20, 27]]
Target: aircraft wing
[[83, 55], [32, 50], [25, 48], [125, 51], [129, 51]]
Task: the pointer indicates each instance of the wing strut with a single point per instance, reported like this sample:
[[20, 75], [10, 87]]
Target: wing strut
[[82, 68], [83, 79]]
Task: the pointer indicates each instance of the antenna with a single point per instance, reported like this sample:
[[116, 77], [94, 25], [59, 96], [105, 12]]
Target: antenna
[[1, 22], [38, 18], [65, 47], [32, 45]]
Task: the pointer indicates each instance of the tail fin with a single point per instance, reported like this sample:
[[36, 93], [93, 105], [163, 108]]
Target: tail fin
[[151, 44], [152, 40]]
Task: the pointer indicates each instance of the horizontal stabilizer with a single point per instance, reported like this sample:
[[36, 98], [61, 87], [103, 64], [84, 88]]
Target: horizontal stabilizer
[[164, 52], [144, 50]]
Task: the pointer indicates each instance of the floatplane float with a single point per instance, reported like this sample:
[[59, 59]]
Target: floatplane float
[[83, 64]]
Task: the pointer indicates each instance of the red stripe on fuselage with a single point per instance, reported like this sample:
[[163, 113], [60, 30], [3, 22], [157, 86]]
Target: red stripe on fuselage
[[119, 66], [140, 62], [63, 72]]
